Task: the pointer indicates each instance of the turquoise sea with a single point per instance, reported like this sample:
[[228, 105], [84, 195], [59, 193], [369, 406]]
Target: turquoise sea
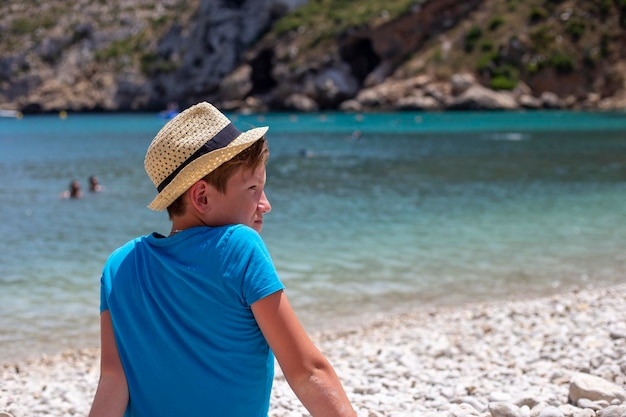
[[421, 210]]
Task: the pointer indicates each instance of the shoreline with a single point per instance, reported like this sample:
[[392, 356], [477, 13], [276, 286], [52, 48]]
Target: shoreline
[[517, 357]]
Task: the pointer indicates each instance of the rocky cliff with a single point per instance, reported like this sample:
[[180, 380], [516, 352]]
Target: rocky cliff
[[124, 55], [258, 55]]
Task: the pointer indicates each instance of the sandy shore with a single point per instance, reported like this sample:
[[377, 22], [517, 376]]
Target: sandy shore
[[559, 356]]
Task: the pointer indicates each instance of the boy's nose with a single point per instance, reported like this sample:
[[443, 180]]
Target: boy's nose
[[264, 204]]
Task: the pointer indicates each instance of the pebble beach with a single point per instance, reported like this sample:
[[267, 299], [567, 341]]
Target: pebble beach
[[559, 356]]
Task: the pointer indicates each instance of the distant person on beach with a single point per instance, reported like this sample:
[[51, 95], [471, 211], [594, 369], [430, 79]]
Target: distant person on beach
[[170, 112], [191, 322], [94, 184], [74, 191]]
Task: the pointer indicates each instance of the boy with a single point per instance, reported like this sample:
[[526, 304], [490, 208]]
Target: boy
[[190, 322]]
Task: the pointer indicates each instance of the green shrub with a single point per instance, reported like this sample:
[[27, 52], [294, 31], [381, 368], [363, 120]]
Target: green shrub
[[575, 28], [338, 15], [562, 63], [486, 45], [437, 55], [23, 26], [151, 64], [474, 33], [128, 47], [505, 72], [486, 62], [541, 38], [286, 24], [48, 22], [504, 76], [537, 14], [502, 82], [512, 5], [472, 36], [116, 49], [159, 22], [533, 67], [496, 22]]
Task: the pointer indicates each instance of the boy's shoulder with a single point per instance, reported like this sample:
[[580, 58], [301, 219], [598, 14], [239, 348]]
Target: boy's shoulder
[[125, 248], [240, 234], [232, 233]]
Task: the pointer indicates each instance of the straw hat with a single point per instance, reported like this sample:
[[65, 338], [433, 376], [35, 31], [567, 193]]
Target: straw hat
[[189, 147]]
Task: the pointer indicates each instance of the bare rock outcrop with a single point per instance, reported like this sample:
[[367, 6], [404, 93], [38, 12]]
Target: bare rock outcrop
[[220, 51], [114, 61], [478, 97]]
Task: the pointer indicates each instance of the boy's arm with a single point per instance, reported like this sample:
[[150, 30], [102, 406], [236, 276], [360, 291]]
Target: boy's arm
[[307, 371], [111, 396]]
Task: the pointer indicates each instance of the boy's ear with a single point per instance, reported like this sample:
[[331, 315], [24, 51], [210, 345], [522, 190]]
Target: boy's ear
[[199, 196]]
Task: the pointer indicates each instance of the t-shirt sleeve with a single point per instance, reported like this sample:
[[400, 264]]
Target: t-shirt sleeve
[[104, 305], [110, 267], [248, 265]]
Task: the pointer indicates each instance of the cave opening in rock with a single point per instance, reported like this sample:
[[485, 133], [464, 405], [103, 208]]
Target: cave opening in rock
[[261, 77], [359, 54]]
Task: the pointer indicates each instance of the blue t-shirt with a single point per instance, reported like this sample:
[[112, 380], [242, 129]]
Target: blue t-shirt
[[183, 325]]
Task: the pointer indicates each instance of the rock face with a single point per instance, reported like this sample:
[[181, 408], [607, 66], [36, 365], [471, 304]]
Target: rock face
[[359, 62], [477, 97], [116, 61], [212, 47], [138, 55]]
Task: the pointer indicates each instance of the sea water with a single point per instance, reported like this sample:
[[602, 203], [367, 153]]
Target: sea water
[[372, 214]]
